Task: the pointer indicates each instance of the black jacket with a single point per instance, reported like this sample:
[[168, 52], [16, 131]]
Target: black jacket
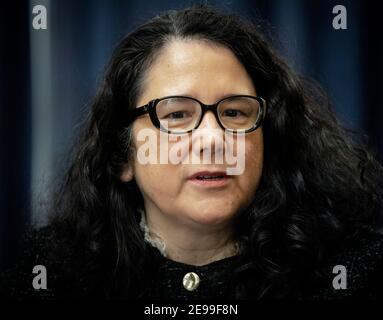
[[73, 273]]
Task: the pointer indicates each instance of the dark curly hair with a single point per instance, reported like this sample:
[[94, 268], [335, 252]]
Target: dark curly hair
[[319, 184]]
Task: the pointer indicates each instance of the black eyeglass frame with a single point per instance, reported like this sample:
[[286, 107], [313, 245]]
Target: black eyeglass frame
[[150, 108]]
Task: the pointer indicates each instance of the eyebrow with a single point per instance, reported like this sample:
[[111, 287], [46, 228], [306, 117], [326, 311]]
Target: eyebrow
[[220, 98]]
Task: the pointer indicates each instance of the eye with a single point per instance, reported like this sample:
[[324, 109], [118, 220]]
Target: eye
[[178, 115], [232, 113]]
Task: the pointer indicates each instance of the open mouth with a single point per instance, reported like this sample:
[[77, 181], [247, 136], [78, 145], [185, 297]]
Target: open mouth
[[210, 177]]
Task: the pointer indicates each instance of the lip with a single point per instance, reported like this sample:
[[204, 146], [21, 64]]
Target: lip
[[210, 183]]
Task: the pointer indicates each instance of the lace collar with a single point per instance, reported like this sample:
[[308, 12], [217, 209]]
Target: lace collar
[[155, 241]]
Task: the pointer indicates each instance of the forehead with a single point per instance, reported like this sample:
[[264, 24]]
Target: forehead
[[198, 68]]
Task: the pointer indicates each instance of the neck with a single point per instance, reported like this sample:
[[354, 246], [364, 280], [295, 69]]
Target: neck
[[189, 243]]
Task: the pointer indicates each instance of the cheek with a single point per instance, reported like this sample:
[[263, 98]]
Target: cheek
[[155, 180], [254, 162]]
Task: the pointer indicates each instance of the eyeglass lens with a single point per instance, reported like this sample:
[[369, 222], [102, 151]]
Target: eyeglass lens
[[181, 114]]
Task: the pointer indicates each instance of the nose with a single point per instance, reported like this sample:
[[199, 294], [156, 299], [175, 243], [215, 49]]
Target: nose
[[209, 121], [208, 140]]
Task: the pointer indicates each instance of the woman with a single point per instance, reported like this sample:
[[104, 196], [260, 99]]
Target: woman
[[132, 223]]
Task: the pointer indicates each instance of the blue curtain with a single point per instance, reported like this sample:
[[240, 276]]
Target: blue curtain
[[49, 76]]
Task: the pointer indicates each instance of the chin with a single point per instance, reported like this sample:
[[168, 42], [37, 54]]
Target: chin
[[215, 217]]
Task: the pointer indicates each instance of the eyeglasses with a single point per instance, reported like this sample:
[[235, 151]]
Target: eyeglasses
[[180, 114]]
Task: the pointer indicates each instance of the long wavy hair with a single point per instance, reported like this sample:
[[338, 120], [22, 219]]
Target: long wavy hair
[[319, 185]]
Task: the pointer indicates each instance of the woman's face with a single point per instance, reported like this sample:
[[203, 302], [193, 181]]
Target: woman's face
[[206, 72]]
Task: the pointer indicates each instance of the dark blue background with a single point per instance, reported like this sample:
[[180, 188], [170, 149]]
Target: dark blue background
[[48, 77]]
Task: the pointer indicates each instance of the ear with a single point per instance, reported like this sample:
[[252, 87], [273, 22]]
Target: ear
[[127, 173]]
